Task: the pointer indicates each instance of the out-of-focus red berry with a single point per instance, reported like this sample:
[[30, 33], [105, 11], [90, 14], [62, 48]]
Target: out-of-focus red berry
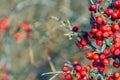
[[25, 26], [4, 22], [4, 77], [18, 36]]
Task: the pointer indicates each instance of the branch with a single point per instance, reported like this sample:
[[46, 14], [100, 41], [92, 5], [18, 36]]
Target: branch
[[57, 72]]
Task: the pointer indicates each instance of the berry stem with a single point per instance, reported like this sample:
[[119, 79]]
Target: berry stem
[[93, 47]]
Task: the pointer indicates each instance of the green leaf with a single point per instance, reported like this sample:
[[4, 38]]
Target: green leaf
[[107, 42], [91, 74]]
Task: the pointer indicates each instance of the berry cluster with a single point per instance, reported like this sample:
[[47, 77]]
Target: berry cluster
[[77, 71], [5, 26], [105, 29]]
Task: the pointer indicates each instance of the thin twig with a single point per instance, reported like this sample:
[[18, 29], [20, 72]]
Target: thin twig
[[53, 77], [68, 22], [49, 60], [57, 72]]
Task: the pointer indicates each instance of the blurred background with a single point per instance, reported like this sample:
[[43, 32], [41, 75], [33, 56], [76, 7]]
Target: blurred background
[[26, 54]]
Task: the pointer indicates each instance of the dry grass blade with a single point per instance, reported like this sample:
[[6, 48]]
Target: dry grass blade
[[31, 55], [49, 60]]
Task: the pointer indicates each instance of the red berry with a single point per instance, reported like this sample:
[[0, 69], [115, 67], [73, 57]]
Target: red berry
[[99, 34], [118, 13], [78, 67], [65, 68], [91, 35], [118, 78], [92, 7], [117, 34], [119, 23], [105, 28], [101, 66], [116, 39], [116, 65], [4, 67], [89, 54], [99, 19], [116, 52], [75, 28], [25, 26], [96, 56], [105, 22], [79, 45], [117, 45], [99, 1], [110, 78], [105, 61], [85, 78], [108, 11], [83, 73], [88, 67], [114, 27], [102, 56], [116, 4], [114, 16], [105, 34], [94, 30], [95, 63], [18, 36], [84, 42], [68, 76], [75, 62], [112, 48], [106, 51], [4, 23], [110, 33], [5, 77], [116, 74], [99, 42], [78, 76]]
